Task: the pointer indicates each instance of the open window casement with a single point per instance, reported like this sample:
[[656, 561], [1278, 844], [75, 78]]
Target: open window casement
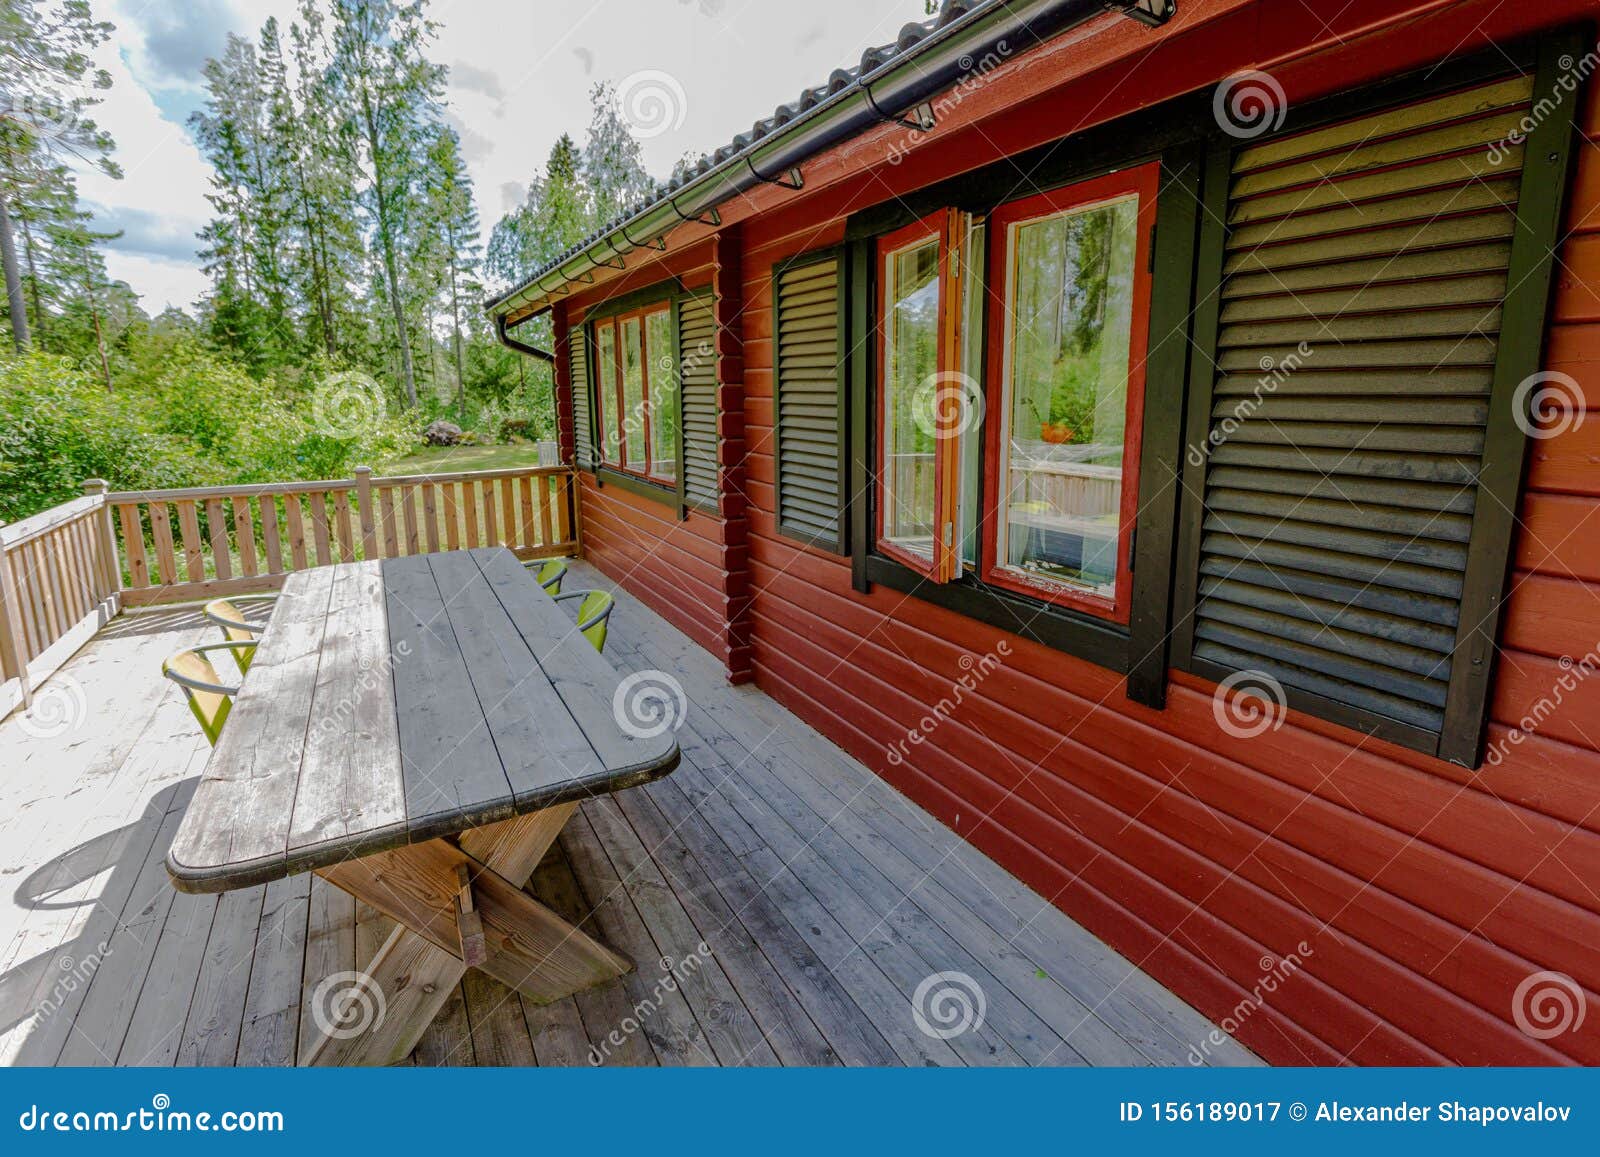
[[928, 401]]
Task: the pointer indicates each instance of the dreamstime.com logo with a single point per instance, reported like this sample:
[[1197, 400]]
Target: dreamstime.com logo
[[347, 1004], [160, 1117], [348, 403], [673, 974], [1249, 703], [652, 102], [947, 404], [649, 703], [1547, 1004], [1249, 104], [44, 117], [60, 706], [1275, 971], [1547, 404], [947, 1004]]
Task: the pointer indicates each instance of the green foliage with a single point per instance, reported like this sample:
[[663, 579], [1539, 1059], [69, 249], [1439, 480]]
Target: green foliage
[[200, 420]]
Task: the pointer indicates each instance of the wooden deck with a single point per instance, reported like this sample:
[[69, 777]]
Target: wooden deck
[[825, 900]]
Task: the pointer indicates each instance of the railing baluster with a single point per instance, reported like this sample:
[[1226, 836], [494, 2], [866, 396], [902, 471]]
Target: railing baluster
[[295, 517], [491, 536], [430, 518], [469, 511], [217, 523], [543, 490], [244, 535], [408, 506], [161, 536], [194, 560], [369, 535], [269, 534], [341, 512], [319, 526], [133, 546], [452, 532]]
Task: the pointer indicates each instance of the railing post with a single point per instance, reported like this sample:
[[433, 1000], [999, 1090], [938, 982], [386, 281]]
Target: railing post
[[110, 561], [369, 536], [11, 637]]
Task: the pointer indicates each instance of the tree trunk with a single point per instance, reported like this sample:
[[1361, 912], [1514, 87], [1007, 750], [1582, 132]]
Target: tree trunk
[[13, 279], [391, 274], [94, 312], [455, 326]]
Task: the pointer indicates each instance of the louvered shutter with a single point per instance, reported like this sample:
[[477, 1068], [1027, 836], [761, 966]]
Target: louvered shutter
[[582, 426], [808, 351], [697, 357], [1363, 276]]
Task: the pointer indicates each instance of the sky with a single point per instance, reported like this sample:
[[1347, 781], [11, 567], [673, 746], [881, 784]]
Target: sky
[[697, 72]]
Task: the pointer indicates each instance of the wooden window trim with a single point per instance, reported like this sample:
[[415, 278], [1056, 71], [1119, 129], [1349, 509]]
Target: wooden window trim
[[912, 236], [1143, 181], [611, 316]]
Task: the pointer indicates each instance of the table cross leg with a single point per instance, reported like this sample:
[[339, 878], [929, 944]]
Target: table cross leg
[[524, 944]]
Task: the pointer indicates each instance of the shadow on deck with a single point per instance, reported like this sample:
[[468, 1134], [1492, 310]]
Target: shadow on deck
[[784, 906]]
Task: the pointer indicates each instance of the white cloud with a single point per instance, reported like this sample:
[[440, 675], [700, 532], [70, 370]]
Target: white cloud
[[521, 77]]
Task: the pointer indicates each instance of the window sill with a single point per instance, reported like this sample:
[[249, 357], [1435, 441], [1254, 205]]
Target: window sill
[[634, 484], [1082, 636]]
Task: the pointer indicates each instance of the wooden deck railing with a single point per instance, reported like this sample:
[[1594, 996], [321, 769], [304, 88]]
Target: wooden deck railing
[[207, 542], [59, 583]]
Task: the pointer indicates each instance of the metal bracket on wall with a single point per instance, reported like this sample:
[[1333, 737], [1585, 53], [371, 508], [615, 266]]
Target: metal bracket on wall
[[919, 118], [711, 217], [1155, 13], [660, 243], [790, 180], [616, 263]]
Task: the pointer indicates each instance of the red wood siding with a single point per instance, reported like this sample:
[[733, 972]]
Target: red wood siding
[[1426, 893]]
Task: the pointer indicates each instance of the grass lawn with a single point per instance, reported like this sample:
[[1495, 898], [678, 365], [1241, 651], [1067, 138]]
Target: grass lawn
[[444, 459]]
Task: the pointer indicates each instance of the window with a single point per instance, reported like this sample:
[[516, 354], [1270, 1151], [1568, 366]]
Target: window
[[1070, 325], [636, 381], [926, 396], [1068, 287]]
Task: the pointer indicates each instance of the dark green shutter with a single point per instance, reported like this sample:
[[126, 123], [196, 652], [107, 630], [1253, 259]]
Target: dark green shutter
[[807, 354], [582, 426], [698, 361], [1363, 277]]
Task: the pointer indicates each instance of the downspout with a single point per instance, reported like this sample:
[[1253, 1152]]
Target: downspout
[[513, 344]]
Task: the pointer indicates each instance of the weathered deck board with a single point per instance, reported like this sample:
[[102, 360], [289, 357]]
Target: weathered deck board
[[824, 896]]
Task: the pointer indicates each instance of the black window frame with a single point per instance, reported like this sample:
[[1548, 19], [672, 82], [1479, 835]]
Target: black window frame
[[665, 293], [1546, 176], [1194, 152], [1169, 136]]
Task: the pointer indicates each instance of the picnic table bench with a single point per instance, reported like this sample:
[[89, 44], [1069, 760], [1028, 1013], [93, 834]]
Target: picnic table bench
[[417, 731]]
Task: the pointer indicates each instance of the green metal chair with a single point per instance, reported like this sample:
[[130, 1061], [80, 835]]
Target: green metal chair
[[593, 612], [235, 629], [209, 698], [550, 573]]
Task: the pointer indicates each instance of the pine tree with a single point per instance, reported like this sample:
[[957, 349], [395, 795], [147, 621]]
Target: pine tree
[[48, 84], [391, 93]]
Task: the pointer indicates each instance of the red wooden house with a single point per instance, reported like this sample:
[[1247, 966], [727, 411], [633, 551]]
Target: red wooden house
[[1153, 436]]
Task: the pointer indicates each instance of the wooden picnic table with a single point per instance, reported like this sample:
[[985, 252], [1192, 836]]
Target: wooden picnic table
[[417, 731]]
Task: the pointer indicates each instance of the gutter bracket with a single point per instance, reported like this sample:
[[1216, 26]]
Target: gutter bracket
[[660, 243], [713, 218], [925, 120], [793, 179], [1151, 13], [612, 263]]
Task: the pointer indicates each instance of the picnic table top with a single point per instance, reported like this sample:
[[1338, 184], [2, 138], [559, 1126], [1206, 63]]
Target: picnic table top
[[397, 701]]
